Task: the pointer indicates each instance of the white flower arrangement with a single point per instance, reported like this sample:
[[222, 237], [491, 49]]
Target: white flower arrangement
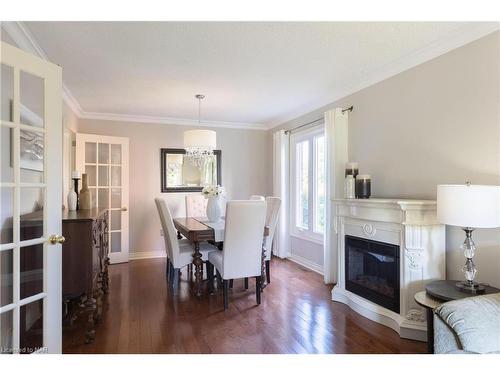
[[212, 191]]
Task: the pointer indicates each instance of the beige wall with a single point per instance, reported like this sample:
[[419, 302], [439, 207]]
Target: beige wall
[[436, 123], [245, 170]]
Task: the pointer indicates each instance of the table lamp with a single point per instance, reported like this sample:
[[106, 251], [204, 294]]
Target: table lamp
[[469, 207]]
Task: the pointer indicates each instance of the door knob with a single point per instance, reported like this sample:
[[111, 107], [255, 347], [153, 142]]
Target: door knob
[[56, 238], [124, 209]]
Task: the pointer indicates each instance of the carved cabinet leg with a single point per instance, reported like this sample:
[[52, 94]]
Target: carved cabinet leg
[[99, 302], [90, 332], [198, 264], [106, 276]]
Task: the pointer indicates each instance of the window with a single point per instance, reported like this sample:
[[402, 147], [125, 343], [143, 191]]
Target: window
[[308, 180], [303, 185]]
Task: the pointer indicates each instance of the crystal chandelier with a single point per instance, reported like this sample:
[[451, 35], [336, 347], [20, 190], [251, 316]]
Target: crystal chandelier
[[199, 144]]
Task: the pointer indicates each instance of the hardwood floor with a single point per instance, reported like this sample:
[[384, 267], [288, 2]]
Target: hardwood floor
[[296, 316]]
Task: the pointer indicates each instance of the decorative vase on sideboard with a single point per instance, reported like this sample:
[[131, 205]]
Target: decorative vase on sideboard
[[213, 209], [72, 199], [85, 197]]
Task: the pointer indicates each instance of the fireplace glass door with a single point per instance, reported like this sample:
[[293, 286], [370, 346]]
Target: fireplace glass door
[[372, 271]]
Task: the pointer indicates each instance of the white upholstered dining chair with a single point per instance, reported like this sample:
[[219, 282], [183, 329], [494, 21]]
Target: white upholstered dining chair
[[179, 252], [272, 216], [242, 255], [196, 205]]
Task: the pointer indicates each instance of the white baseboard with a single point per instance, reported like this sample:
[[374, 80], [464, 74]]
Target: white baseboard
[[146, 255], [294, 258], [306, 263]]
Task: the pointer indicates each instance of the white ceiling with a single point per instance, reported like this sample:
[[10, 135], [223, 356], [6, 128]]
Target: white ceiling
[[253, 74]]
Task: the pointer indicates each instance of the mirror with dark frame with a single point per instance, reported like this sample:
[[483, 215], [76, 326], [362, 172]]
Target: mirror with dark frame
[[182, 173]]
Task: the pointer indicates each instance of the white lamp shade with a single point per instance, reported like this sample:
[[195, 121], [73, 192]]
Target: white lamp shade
[[474, 206], [204, 139]]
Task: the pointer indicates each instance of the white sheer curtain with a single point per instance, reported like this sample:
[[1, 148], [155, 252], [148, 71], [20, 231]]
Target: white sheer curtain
[[281, 184], [336, 132]]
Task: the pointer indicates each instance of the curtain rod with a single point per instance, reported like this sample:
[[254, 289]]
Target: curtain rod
[[349, 109]]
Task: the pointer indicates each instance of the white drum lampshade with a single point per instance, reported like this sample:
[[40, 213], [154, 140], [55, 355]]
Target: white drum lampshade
[[469, 206], [200, 139]]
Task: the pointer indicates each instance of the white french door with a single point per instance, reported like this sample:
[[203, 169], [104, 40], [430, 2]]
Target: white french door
[[30, 203], [105, 161]]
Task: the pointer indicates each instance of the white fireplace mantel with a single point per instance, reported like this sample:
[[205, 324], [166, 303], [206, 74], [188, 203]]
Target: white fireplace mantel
[[410, 224]]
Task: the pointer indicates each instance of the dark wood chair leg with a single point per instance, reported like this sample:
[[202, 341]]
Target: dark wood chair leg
[[210, 274], [246, 282], [231, 283], [219, 280], [175, 281], [171, 274], [257, 288], [167, 269], [225, 284], [268, 271]]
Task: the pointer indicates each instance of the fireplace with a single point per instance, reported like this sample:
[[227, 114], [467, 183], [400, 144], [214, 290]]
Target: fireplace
[[372, 271], [397, 244]]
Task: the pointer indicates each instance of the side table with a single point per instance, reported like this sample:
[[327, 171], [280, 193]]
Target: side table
[[437, 293]]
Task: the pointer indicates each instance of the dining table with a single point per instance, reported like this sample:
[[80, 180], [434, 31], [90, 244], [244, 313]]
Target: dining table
[[197, 230]]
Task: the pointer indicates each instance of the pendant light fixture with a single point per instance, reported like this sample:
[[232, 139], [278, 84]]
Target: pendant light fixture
[[199, 143]]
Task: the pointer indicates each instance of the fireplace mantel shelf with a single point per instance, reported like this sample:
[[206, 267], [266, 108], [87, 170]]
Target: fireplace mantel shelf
[[385, 201], [412, 225]]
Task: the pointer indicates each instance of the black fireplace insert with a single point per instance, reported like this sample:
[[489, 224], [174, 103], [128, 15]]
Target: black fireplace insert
[[372, 271]]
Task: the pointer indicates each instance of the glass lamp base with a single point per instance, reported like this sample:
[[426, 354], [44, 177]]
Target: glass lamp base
[[471, 288]]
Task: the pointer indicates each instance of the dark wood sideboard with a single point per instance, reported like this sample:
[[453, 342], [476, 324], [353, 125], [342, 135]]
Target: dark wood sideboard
[[85, 265], [85, 262]]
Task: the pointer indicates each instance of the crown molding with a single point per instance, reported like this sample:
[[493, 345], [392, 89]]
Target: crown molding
[[71, 102], [456, 39], [21, 35], [170, 121]]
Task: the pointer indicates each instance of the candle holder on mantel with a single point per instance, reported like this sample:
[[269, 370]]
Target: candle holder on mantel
[[352, 169], [75, 176], [363, 186]]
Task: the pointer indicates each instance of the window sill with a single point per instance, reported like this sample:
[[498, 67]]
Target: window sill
[[308, 237]]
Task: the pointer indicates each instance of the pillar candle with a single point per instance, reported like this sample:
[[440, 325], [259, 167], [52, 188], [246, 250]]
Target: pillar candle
[[363, 186], [351, 168]]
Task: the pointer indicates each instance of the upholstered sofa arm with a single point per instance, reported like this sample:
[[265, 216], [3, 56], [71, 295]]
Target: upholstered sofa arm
[[470, 325]]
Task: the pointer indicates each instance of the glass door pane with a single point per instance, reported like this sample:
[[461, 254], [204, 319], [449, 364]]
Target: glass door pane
[[6, 277], [6, 215], [7, 75], [7, 332], [116, 154], [32, 100], [90, 152]]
